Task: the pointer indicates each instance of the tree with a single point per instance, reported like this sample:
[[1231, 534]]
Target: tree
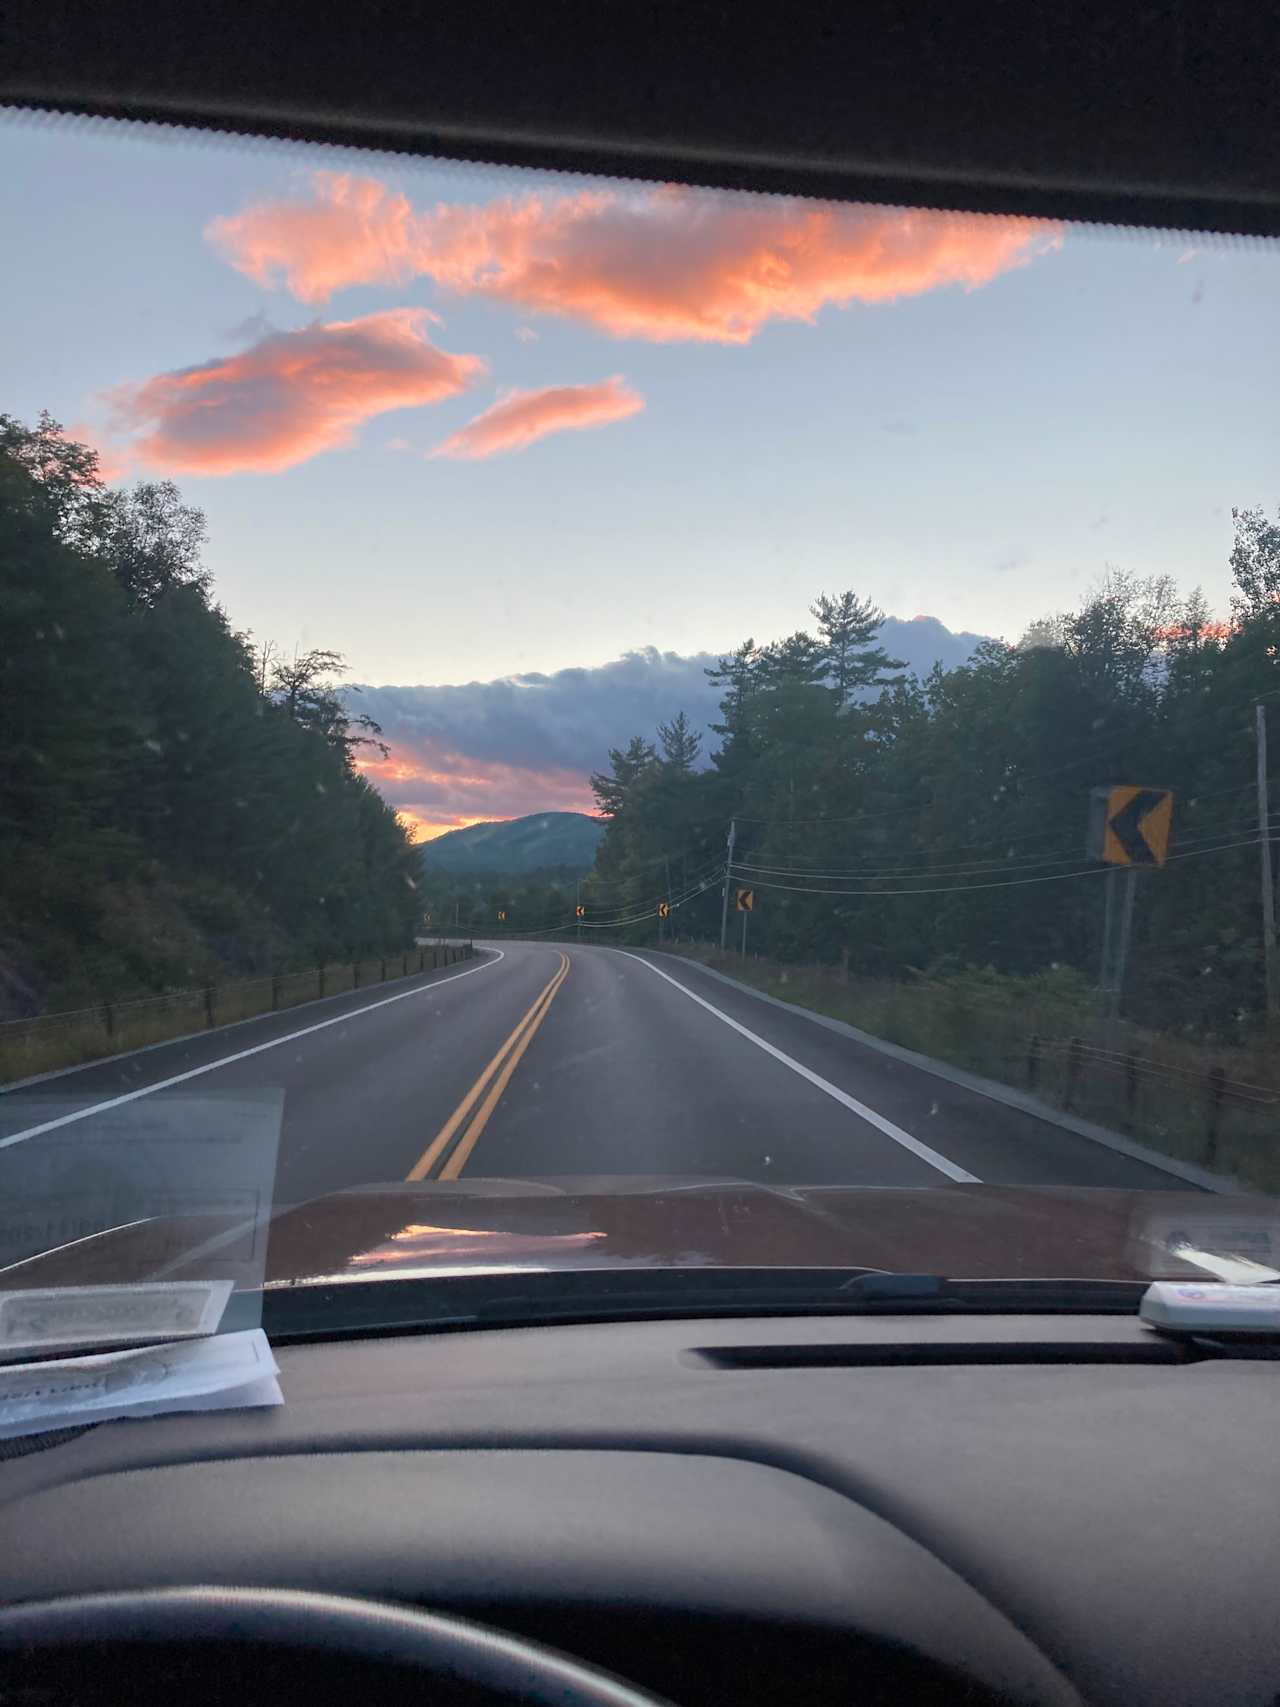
[[737, 675], [62, 478], [798, 660], [851, 661], [1255, 563], [152, 541], [307, 692], [937, 824], [614, 789], [163, 822], [681, 744]]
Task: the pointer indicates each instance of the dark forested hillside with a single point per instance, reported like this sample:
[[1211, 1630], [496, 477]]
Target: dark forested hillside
[[174, 807], [928, 825]]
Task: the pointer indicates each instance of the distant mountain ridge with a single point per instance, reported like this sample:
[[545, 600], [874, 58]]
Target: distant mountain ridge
[[516, 846]]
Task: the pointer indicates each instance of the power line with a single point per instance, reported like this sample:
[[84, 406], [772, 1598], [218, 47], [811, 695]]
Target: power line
[[974, 868], [675, 902], [1011, 883], [715, 866]]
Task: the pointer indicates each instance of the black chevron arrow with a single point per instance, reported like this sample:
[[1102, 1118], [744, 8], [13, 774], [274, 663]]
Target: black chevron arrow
[[1126, 826]]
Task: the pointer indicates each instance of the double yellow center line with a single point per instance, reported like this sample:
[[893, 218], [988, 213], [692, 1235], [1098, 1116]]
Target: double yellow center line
[[487, 1091]]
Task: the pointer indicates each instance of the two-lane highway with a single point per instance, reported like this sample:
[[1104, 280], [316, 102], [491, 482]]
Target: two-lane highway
[[539, 1061]]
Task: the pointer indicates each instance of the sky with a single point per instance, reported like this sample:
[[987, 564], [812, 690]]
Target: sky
[[533, 436]]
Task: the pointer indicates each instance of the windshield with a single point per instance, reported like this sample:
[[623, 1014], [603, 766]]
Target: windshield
[[556, 724]]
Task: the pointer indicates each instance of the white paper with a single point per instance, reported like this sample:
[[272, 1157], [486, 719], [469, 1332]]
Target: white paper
[[53, 1318], [226, 1372]]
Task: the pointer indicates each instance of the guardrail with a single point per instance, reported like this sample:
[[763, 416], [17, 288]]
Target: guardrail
[[1132, 1074], [47, 1041]]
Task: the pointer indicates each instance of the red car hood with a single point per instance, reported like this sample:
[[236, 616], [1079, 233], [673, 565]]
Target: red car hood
[[964, 1231]]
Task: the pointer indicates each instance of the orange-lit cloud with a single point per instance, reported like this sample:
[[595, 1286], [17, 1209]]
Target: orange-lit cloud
[[665, 264], [427, 829], [521, 418], [113, 462], [434, 789], [290, 395]]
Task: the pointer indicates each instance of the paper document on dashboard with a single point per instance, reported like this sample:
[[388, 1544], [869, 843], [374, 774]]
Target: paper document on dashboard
[[226, 1372]]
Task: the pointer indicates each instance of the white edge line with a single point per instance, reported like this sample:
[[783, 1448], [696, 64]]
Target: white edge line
[[932, 1157], [1202, 1178], [240, 1055]]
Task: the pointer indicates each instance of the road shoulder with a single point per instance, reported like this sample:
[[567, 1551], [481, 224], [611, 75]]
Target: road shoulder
[[1008, 1095]]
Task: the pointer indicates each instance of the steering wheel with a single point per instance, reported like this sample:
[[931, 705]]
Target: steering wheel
[[233, 1645]]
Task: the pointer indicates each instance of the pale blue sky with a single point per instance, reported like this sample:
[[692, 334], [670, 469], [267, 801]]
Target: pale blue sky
[[978, 455]]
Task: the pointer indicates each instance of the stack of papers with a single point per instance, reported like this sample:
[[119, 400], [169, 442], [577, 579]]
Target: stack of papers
[[225, 1372]]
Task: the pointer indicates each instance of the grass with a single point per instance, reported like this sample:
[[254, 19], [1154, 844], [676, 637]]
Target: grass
[[985, 1022], [51, 1041]]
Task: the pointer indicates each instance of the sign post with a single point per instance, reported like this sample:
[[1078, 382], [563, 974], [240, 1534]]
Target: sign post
[[744, 900], [1128, 828]]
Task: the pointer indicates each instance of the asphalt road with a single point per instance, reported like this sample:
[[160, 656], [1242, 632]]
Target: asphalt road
[[536, 1060]]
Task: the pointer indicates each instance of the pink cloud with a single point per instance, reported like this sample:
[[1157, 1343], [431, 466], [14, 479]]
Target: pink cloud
[[290, 395], [521, 418], [664, 264], [113, 461]]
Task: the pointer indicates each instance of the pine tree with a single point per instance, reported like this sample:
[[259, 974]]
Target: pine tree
[[851, 661]]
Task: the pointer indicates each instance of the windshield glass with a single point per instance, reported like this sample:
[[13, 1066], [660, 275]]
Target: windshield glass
[[553, 723]]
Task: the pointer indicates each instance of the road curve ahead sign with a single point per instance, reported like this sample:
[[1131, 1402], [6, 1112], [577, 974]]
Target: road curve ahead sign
[[1131, 825]]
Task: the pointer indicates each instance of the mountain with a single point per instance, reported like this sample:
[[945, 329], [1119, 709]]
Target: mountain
[[517, 846]]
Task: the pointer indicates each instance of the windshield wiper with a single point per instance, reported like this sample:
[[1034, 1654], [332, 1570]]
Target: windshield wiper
[[350, 1309]]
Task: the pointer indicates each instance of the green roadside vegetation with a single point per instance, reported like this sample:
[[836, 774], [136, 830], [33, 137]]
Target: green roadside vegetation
[[179, 809]]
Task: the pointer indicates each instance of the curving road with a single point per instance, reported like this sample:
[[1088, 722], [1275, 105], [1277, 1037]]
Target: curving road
[[535, 1060]]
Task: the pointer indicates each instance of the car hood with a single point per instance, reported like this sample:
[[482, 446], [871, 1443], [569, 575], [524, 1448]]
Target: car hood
[[401, 1231]]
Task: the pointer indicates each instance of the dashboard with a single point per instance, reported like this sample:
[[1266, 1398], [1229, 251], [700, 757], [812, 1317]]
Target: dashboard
[[983, 1508]]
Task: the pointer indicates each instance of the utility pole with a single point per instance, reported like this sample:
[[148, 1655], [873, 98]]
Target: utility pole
[[728, 874], [1268, 892], [577, 905], [662, 928]]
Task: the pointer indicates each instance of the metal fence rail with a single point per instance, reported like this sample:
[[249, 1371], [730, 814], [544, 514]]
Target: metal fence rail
[[43, 1041], [1133, 1074]]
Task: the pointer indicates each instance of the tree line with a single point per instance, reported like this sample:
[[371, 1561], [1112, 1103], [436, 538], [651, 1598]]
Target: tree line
[[937, 824], [176, 806]]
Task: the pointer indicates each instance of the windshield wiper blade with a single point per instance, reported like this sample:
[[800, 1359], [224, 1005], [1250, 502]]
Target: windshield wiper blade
[[493, 1300]]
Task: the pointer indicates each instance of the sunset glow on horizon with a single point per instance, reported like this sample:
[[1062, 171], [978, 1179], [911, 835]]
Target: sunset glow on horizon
[[422, 830]]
